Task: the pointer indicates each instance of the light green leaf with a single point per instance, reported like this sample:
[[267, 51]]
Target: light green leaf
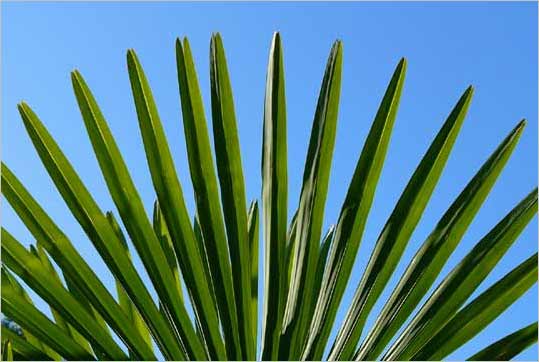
[[23, 348], [123, 297], [321, 264], [353, 216], [9, 278], [311, 207], [14, 305], [135, 219], [161, 230], [7, 351], [402, 222], [100, 232], [253, 227], [172, 205], [230, 171], [207, 196], [274, 201], [60, 321]]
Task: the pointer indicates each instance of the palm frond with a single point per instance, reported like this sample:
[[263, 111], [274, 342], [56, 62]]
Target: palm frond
[[206, 261]]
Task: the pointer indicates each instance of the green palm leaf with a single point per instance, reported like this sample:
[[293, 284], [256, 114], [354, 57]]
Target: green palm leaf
[[253, 227], [212, 251], [23, 349], [509, 346], [353, 216], [227, 152], [274, 200], [207, 197], [133, 215], [430, 258], [466, 277], [7, 350], [477, 314], [311, 208]]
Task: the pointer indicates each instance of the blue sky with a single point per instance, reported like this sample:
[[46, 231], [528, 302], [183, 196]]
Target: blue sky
[[449, 46]]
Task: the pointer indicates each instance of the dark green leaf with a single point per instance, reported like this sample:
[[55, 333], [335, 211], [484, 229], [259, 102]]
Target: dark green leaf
[[481, 311], [464, 279], [23, 347], [253, 227], [509, 346], [400, 225], [431, 257]]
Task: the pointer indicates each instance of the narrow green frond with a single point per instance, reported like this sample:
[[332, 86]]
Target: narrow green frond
[[274, 200], [30, 269], [61, 249], [172, 205], [161, 230], [289, 251], [464, 279], [208, 205], [59, 320], [321, 264], [7, 350], [509, 346], [353, 216], [232, 185], [49, 333], [431, 257], [201, 249], [135, 219], [23, 348], [311, 207], [399, 227], [253, 227], [99, 231], [9, 278], [123, 297], [480, 312]]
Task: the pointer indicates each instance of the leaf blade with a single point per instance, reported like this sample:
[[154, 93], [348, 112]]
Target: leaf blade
[[134, 217], [353, 216], [101, 234], [481, 311], [204, 181], [431, 257], [274, 199], [509, 346], [463, 280], [253, 226], [312, 204], [172, 204], [232, 185]]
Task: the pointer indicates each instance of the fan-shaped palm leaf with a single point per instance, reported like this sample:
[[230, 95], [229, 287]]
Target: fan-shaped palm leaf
[[213, 254]]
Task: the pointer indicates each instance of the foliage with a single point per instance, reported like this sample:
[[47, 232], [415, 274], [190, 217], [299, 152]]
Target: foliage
[[210, 260]]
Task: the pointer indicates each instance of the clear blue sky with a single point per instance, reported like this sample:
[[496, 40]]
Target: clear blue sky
[[448, 46]]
